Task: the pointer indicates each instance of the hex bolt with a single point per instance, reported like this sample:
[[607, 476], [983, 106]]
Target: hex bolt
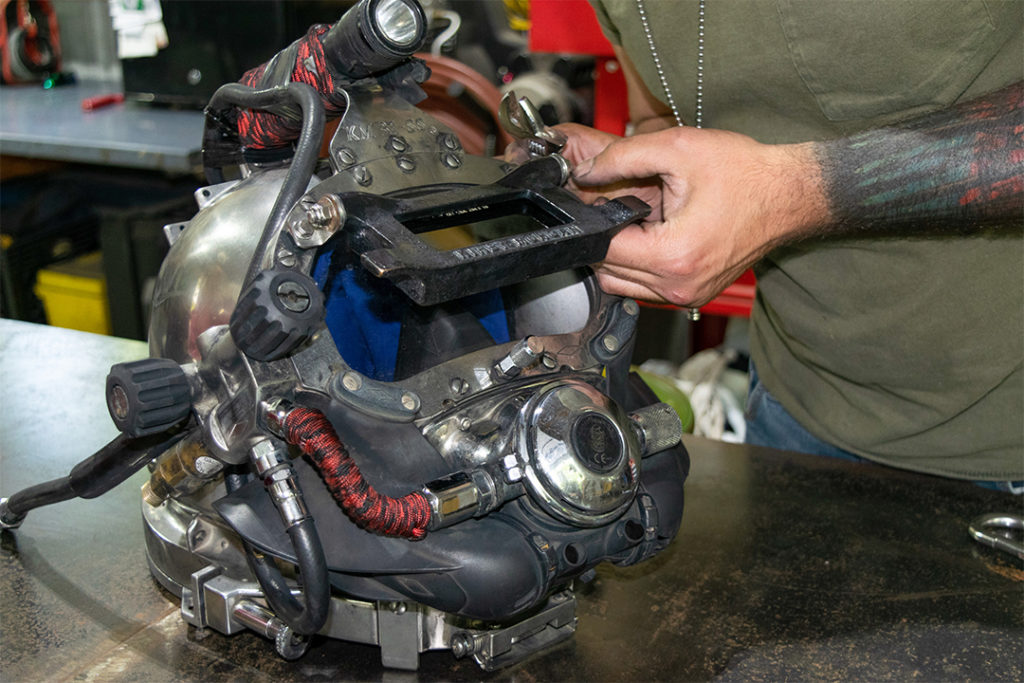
[[317, 216], [610, 343], [523, 355], [351, 381], [293, 296], [326, 214], [513, 472]]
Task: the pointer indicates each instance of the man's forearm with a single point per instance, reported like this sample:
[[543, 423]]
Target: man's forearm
[[950, 171]]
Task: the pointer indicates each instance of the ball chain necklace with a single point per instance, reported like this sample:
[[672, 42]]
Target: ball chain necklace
[[698, 117]]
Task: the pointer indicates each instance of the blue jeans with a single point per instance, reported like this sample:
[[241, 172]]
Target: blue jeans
[[769, 424]]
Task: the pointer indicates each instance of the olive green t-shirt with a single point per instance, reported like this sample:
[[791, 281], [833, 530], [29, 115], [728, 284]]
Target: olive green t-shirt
[[906, 350]]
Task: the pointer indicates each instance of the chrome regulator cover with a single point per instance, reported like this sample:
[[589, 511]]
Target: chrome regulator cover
[[580, 459]]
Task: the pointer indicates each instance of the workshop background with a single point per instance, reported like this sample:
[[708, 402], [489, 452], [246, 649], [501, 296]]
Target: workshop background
[[786, 566]]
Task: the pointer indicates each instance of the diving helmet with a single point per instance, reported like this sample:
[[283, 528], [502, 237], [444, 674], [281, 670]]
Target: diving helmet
[[387, 401]]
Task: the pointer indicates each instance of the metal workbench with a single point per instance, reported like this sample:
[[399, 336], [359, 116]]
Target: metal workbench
[[50, 124], [786, 567]]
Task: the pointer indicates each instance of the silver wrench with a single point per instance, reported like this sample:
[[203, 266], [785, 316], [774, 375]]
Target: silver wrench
[[520, 118]]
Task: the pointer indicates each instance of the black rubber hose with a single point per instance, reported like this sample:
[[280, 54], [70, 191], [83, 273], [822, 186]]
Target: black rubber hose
[[307, 150], [308, 617], [50, 492], [94, 476]]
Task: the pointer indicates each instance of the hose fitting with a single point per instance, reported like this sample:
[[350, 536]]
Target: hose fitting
[[279, 479]]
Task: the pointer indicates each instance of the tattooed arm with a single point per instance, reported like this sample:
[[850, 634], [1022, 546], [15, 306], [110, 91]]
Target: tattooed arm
[[722, 200], [954, 169]]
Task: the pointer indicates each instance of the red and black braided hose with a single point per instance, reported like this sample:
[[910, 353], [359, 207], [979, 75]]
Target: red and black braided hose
[[261, 129], [407, 516]]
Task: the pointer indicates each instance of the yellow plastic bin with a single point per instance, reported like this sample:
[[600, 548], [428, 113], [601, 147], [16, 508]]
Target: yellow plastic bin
[[74, 294]]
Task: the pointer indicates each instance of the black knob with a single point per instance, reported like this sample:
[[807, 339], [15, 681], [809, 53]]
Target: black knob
[[278, 311], [147, 396]]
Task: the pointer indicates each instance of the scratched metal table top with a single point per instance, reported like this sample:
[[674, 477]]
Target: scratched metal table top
[[786, 567]]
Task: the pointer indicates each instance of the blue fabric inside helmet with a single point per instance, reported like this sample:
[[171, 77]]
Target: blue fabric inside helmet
[[365, 314]]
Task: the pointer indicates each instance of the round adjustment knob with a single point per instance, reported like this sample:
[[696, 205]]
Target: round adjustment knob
[[147, 396], [279, 311]]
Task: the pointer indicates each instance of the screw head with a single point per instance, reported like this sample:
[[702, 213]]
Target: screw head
[[293, 296], [410, 401], [462, 644], [450, 142], [362, 175], [119, 401], [346, 156], [317, 216], [351, 381], [610, 343], [451, 160], [396, 143], [406, 164]]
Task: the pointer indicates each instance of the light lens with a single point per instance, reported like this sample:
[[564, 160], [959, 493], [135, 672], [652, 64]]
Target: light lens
[[397, 21]]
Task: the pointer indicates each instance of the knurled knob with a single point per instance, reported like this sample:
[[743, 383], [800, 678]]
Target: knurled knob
[[147, 396], [279, 310]]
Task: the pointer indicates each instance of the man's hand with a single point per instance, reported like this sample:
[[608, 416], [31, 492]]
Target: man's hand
[[722, 200], [719, 200]]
